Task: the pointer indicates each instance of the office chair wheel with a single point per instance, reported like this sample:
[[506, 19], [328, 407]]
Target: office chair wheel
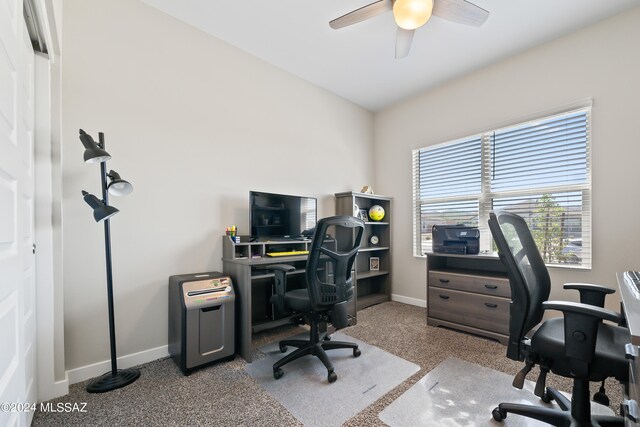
[[327, 338], [546, 397], [283, 348], [498, 414], [601, 398], [278, 373], [356, 352], [332, 377]]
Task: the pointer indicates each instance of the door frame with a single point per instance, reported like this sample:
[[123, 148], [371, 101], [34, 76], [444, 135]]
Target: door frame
[[51, 370]]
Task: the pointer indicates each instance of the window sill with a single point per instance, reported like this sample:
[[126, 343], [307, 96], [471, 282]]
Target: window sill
[[569, 267]]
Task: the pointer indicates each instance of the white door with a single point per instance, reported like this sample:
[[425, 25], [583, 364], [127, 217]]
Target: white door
[[17, 281]]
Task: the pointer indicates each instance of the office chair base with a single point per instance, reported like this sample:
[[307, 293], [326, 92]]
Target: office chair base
[[309, 348], [317, 345], [278, 373], [557, 417]]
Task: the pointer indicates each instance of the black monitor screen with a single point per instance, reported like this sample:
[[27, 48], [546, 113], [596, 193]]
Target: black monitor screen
[[279, 215]]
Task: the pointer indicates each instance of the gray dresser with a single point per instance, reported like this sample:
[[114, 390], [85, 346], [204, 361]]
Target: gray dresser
[[470, 293]]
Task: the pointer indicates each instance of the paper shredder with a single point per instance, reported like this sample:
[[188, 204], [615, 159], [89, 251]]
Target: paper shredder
[[201, 319]]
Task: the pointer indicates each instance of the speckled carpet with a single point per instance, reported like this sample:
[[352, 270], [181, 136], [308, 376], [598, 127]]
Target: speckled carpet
[[224, 394]]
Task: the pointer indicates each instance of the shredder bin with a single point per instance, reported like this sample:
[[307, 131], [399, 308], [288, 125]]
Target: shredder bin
[[201, 319]]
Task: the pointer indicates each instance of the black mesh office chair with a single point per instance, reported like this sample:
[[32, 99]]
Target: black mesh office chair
[[578, 345], [329, 286]]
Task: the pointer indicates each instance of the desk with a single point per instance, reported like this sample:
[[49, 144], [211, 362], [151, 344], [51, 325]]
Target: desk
[[631, 309], [244, 263]]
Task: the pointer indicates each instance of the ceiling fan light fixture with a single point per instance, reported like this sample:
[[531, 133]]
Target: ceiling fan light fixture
[[412, 14]]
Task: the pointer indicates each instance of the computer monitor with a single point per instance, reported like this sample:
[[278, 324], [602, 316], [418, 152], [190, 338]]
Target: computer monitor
[[281, 216]]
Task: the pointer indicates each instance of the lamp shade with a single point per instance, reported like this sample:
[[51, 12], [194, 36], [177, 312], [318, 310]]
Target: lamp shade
[[100, 210], [92, 152], [118, 186], [412, 14]]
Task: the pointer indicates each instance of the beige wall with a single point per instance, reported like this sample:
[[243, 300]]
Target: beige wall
[[600, 62], [194, 124]]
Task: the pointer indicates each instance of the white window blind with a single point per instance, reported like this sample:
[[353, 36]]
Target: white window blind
[[539, 170]]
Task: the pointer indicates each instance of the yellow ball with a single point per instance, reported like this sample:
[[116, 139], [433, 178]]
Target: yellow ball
[[376, 212]]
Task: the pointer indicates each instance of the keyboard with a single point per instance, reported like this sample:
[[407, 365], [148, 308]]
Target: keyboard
[[290, 253], [633, 278]]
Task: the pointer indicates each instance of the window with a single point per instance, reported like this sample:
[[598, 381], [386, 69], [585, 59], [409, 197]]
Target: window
[[539, 170]]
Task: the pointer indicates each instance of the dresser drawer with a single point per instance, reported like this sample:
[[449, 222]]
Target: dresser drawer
[[488, 285], [479, 311]]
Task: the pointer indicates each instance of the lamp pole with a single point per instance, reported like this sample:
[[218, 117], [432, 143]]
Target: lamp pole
[[107, 251], [116, 378]]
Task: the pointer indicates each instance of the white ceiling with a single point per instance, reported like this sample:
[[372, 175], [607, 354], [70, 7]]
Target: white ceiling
[[357, 62]]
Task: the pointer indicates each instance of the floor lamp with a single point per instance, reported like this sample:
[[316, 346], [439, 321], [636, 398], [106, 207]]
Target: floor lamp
[[95, 153]]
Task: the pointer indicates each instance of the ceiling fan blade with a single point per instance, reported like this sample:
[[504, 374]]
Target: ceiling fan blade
[[362, 14], [460, 11], [403, 42]]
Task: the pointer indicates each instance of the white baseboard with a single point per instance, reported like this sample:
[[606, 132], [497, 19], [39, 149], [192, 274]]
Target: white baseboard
[[83, 373], [51, 391], [408, 300]]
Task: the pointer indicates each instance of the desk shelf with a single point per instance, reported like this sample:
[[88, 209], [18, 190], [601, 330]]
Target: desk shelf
[[251, 251], [371, 273]]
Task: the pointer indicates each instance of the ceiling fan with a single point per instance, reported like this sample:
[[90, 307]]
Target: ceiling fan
[[412, 14]]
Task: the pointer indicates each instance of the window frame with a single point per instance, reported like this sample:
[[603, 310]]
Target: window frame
[[487, 195]]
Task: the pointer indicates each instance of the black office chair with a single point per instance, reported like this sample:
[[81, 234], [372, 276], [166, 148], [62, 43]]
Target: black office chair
[[578, 345], [329, 286]]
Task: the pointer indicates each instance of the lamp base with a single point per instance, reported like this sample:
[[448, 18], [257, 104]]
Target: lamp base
[[109, 382]]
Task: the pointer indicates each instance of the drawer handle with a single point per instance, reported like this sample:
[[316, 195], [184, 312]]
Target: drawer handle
[[490, 305], [444, 296], [491, 286], [444, 280]]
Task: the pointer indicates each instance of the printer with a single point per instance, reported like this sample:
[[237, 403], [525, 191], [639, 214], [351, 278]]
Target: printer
[[456, 239]]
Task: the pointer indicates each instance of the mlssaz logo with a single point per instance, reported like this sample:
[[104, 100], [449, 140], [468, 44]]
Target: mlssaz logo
[[63, 407]]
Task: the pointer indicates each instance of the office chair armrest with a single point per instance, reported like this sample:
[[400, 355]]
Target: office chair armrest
[[277, 267], [280, 271], [582, 309], [590, 287], [589, 293]]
